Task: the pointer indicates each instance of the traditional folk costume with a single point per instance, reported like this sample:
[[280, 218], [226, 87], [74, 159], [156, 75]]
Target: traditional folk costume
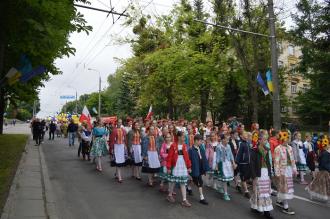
[[86, 138], [134, 146], [299, 155], [99, 147], [224, 162], [189, 140], [163, 157], [211, 156], [285, 168], [178, 161], [117, 144], [261, 197], [225, 171], [319, 188], [149, 150], [311, 156]]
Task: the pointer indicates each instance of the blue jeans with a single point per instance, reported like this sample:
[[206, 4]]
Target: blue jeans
[[72, 136]]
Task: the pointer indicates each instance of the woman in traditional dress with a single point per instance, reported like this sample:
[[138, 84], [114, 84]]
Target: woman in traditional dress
[[261, 196], [285, 169], [118, 148], [319, 188], [150, 154], [134, 143], [300, 157], [178, 166], [163, 156], [311, 156], [99, 148], [224, 170]]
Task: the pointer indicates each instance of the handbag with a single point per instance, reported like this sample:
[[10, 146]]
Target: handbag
[[145, 166]]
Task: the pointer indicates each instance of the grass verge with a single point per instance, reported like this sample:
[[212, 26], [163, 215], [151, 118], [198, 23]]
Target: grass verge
[[11, 149]]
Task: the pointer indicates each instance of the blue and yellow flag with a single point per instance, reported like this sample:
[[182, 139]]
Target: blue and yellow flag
[[262, 84], [269, 80]]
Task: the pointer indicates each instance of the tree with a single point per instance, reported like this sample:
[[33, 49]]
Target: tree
[[40, 30], [312, 34]]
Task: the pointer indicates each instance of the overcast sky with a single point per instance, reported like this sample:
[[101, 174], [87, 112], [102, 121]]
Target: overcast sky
[[99, 49]]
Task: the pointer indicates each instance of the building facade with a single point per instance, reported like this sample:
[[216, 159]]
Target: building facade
[[294, 82]]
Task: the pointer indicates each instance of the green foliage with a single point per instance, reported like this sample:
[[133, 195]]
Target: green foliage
[[312, 34]]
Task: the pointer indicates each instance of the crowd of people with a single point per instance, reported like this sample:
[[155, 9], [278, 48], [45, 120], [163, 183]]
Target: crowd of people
[[259, 163]]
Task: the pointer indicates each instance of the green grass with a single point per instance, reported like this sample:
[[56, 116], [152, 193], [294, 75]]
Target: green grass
[[11, 149]]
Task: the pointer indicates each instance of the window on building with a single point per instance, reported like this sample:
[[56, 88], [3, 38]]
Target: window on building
[[294, 109], [283, 109], [291, 50], [305, 87], [293, 88]]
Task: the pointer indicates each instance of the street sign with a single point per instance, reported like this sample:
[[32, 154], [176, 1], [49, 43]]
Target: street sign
[[68, 97]]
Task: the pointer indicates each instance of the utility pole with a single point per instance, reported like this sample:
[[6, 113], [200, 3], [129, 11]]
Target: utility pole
[[276, 90], [100, 96]]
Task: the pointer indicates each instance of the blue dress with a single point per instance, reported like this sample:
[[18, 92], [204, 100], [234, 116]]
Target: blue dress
[[99, 147]]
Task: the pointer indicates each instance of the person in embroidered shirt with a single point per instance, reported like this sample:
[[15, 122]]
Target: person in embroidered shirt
[[134, 145], [118, 148], [285, 169], [199, 165], [150, 154], [178, 166]]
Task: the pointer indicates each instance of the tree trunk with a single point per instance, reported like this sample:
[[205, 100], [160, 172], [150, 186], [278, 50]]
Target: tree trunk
[[204, 95]]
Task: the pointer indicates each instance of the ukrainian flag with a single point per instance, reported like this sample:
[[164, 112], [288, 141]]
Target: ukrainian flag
[[269, 80]]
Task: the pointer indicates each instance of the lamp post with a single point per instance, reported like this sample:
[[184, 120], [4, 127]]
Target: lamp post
[[76, 107], [99, 110]]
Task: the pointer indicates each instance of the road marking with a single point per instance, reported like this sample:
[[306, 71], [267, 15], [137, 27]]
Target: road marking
[[310, 201]]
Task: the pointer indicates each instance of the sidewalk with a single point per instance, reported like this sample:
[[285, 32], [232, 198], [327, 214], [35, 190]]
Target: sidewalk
[[30, 194]]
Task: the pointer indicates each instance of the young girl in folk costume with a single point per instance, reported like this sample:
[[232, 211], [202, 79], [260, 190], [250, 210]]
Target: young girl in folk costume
[[86, 138], [178, 166], [285, 169], [150, 154], [163, 156], [118, 148], [171, 130], [319, 188], [261, 196], [300, 157], [311, 156], [211, 157], [134, 143], [189, 138], [208, 129], [225, 166], [99, 147]]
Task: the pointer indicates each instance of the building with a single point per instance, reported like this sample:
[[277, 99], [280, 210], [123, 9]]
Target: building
[[294, 82]]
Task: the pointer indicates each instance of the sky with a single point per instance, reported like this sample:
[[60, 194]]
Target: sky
[[100, 50]]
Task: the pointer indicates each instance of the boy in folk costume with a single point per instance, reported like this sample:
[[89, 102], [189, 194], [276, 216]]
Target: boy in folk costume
[[224, 170], [319, 188], [134, 144], [261, 196], [300, 157], [150, 154], [243, 160], [285, 169], [118, 148], [199, 165], [178, 166]]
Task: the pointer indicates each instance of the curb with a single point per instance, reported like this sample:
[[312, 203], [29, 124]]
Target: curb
[[49, 195], [12, 191]]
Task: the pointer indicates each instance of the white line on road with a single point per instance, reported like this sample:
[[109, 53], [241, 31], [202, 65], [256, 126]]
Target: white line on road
[[310, 201]]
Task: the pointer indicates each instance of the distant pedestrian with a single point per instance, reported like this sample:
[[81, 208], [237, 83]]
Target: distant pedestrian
[[72, 130], [52, 129], [43, 129], [37, 131], [86, 138]]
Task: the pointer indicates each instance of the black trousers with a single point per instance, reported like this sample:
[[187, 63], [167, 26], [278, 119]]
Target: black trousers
[[51, 135], [37, 138]]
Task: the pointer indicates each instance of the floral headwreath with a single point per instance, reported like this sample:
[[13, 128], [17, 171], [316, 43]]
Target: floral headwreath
[[283, 135], [323, 142]]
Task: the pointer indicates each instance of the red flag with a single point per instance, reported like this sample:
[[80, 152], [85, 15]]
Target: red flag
[[85, 116], [150, 113]]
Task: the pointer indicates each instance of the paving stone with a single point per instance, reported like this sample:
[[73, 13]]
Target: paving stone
[[29, 193], [29, 208]]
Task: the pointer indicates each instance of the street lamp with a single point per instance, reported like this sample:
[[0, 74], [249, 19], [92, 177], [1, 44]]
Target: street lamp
[[91, 69]]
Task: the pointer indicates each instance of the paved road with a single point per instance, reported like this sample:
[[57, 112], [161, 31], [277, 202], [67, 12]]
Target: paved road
[[81, 192]]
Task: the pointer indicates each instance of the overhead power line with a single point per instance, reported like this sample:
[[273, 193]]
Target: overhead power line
[[102, 10]]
